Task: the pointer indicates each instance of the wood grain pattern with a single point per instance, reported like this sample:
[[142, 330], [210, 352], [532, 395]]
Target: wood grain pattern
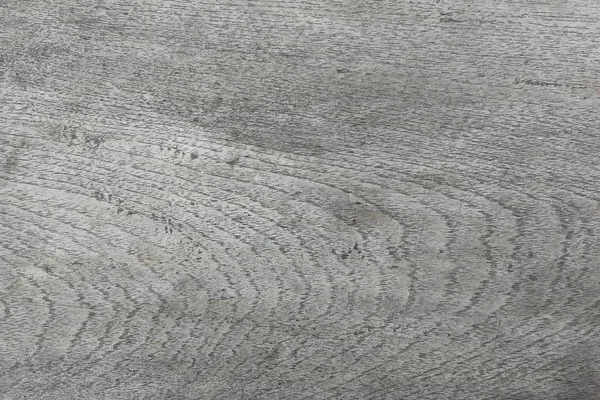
[[344, 199]]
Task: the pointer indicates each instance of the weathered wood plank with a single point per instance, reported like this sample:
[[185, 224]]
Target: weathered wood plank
[[299, 200]]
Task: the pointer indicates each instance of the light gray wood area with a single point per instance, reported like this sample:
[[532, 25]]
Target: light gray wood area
[[260, 199]]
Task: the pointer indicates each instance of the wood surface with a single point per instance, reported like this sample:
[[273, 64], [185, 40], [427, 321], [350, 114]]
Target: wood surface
[[336, 199]]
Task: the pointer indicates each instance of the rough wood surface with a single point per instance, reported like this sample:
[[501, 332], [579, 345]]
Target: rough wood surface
[[256, 199]]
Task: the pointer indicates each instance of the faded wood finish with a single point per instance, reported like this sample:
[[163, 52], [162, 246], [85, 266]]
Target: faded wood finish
[[299, 200]]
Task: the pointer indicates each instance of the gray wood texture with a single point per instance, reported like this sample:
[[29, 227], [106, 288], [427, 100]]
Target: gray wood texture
[[256, 199]]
